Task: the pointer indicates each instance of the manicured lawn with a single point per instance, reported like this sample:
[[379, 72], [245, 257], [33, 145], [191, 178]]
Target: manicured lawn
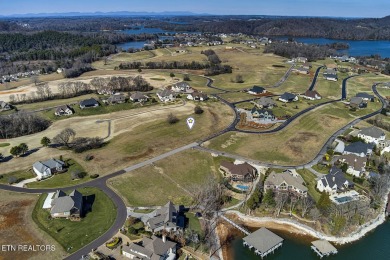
[[311, 183], [321, 168], [146, 211], [193, 222], [73, 235], [62, 179], [231, 203], [168, 179], [19, 175]]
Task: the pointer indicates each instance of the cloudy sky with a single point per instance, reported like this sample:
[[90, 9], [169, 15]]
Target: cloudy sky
[[339, 8]]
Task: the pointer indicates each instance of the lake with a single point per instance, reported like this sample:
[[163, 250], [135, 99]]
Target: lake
[[374, 246], [356, 48]]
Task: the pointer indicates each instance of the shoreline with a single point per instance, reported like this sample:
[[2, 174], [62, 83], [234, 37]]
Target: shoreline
[[302, 229]]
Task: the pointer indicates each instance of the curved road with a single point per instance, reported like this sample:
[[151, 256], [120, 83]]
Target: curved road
[[117, 200]]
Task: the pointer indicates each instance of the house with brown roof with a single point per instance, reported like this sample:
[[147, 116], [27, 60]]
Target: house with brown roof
[[312, 95], [238, 172], [287, 181], [356, 164], [197, 96], [153, 248]]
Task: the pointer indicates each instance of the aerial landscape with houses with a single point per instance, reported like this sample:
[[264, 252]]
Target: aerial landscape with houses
[[148, 137]]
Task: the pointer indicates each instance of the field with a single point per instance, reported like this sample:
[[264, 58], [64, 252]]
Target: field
[[168, 179], [18, 228], [62, 179], [73, 235], [298, 143]]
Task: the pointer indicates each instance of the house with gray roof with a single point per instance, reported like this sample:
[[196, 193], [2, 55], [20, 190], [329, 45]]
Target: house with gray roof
[[330, 74], [265, 102], [262, 114], [64, 110], [168, 218], [139, 97], [357, 102], [256, 90], [67, 206], [182, 87], [263, 241], [372, 135], [334, 182], [356, 164], [45, 169], [166, 95], [301, 70], [87, 103], [286, 181], [359, 148], [4, 106], [154, 248], [238, 172], [117, 98], [366, 96], [288, 97]]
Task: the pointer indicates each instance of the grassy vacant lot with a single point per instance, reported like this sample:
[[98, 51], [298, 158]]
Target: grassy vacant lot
[[62, 179], [295, 83], [19, 175], [168, 179], [18, 228], [237, 96], [296, 144], [364, 83], [311, 183], [25, 81], [73, 235]]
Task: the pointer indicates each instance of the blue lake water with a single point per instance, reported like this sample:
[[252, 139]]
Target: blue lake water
[[356, 48], [374, 246]]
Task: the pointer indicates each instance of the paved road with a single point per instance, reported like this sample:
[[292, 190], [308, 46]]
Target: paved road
[[344, 87], [284, 78], [313, 83]]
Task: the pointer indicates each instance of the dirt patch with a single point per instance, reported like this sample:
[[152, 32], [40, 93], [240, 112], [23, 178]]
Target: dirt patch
[[17, 228], [149, 151], [295, 143]]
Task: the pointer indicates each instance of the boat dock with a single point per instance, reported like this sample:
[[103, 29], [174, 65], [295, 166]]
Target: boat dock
[[263, 241], [323, 248]]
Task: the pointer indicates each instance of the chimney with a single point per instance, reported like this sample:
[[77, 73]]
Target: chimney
[[333, 178], [164, 238]]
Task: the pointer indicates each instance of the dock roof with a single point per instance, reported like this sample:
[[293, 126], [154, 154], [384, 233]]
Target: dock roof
[[324, 247], [263, 240]]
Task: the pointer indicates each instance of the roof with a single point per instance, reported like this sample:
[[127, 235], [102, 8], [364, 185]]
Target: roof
[[312, 93], [388, 203], [3, 104], [262, 111], [287, 96], [330, 72], [266, 101], [63, 108], [257, 89], [356, 100], [324, 247], [138, 95], [198, 95], [116, 97], [354, 161], [279, 178], [168, 215], [49, 164], [181, 85], [365, 95], [372, 131], [89, 102], [334, 177], [358, 147], [63, 204], [263, 240], [165, 93], [238, 169], [153, 248]]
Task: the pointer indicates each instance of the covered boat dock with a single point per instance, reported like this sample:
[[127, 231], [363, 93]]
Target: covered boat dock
[[323, 248], [263, 241]]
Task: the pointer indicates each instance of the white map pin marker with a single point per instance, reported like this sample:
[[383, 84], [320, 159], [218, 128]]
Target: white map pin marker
[[190, 122]]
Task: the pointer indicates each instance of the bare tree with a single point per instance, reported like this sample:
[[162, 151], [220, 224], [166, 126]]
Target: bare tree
[[306, 203], [315, 214], [65, 136], [293, 202], [280, 199]]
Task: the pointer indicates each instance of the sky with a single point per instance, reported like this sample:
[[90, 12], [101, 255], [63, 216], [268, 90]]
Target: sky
[[335, 8]]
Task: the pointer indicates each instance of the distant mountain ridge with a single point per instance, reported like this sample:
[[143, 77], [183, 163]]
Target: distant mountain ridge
[[118, 13]]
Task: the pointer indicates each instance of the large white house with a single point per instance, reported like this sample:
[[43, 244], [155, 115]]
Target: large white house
[[151, 248], [334, 182], [47, 168], [166, 95], [356, 164], [286, 181], [372, 135]]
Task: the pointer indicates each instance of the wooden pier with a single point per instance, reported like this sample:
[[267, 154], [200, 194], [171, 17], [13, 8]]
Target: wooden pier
[[246, 232]]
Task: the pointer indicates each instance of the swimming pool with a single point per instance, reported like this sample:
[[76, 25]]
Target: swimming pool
[[242, 187]]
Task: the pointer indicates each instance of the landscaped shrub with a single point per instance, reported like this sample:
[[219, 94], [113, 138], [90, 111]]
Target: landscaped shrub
[[94, 176], [114, 243]]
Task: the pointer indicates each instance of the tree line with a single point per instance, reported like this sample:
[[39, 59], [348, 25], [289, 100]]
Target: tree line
[[20, 124]]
